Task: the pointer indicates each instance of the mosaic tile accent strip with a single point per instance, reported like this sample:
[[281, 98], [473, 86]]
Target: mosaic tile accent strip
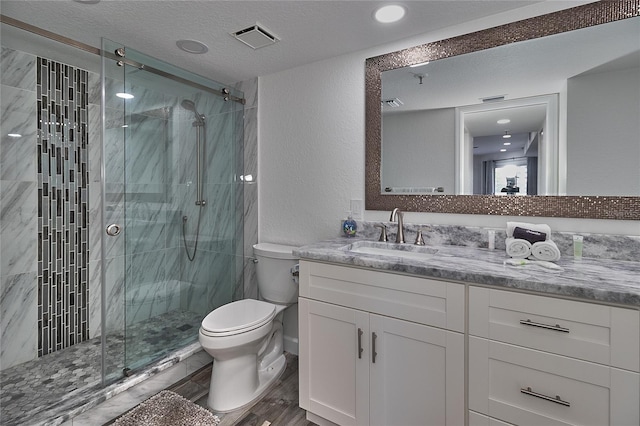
[[63, 197], [592, 207]]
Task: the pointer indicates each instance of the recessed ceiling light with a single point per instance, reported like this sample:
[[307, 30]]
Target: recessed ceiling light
[[506, 143], [503, 150], [192, 46], [389, 13], [506, 134], [504, 121], [124, 95]]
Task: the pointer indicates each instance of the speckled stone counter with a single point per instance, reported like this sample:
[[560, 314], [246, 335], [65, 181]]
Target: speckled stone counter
[[600, 280]]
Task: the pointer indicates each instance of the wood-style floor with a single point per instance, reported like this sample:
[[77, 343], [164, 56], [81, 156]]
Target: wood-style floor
[[279, 406]]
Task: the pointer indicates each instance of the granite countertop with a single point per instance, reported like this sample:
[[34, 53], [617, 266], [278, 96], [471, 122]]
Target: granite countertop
[[601, 280]]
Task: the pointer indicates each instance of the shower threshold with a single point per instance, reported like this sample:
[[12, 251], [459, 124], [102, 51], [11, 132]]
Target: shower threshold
[[56, 387]]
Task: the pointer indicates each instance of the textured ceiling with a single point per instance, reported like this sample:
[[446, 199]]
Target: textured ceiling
[[309, 30]]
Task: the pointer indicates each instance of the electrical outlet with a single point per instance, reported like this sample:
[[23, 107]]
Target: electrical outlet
[[357, 209]]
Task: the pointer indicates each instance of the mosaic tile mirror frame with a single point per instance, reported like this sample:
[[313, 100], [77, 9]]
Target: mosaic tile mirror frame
[[593, 207]]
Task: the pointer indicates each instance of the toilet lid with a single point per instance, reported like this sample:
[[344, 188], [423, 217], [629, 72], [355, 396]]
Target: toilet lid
[[237, 316]]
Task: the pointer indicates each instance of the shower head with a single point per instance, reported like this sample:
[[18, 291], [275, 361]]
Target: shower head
[[190, 106], [187, 104]]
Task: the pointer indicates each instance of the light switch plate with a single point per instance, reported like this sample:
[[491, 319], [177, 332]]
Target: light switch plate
[[357, 209]]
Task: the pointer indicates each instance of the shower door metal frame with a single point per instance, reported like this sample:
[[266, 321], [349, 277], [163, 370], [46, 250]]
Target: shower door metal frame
[[88, 48]]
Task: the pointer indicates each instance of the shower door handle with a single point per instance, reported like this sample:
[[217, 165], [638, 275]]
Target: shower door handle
[[113, 229]]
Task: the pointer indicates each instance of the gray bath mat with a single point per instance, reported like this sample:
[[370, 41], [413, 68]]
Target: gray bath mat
[[168, 409]]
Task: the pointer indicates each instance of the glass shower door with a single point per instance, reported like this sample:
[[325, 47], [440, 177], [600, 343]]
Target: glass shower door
[[181, 206]]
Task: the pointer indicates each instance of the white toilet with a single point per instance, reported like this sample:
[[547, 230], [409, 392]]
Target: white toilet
[[245, 337]]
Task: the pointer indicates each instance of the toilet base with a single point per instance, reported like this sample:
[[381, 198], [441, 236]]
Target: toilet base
[[266, 377]]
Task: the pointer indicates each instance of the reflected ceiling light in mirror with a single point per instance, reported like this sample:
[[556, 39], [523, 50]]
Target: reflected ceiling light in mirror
[[503, 150], [503, 121], [506, 134], [124, 95], [389, 13], [14, 135], [506, 143]]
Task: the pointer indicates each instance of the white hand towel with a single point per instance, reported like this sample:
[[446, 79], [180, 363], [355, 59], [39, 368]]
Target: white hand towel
[[540, 227], [545, 250], [518, 249]]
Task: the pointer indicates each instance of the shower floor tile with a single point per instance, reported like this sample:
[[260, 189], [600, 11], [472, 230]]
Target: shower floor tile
[[51, 385]]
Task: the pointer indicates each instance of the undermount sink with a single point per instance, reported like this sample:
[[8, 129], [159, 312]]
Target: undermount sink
[[406, 251]]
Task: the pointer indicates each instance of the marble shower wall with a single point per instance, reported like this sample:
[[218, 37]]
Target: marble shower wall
[[250, 200], [18, 210], [211, 278], [44, 206]]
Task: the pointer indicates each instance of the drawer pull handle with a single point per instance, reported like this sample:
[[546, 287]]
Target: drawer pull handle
[[557, 399], [374, 336], [545, 326], [360, 343]]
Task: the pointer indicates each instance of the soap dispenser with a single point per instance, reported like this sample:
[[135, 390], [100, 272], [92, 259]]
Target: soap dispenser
[[349, 226]]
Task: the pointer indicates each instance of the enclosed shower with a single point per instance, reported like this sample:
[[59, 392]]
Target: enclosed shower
[[122, 210]]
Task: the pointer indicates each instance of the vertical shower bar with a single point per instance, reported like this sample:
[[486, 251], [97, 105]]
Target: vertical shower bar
[[199, 128], [199, 166]]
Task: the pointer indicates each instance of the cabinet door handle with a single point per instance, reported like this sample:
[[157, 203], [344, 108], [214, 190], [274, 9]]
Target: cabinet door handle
[[359, 343], [374, 336], [557, 399], [545, 326]]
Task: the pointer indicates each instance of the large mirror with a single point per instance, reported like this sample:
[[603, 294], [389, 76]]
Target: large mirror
[[569, 84]]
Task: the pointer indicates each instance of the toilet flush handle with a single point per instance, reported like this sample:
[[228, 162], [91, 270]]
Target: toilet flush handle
[[295, 271]]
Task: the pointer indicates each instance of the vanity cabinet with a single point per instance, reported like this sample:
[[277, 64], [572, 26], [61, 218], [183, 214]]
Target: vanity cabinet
[[542, 360], [379, 348]]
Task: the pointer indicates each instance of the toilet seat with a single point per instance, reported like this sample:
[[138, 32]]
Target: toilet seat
[[237, 317]]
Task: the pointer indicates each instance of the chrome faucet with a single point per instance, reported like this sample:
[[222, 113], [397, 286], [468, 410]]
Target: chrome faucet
[[396, 213]]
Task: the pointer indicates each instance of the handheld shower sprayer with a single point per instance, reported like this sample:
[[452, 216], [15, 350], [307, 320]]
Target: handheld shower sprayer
[[200, 155], [191, 106]]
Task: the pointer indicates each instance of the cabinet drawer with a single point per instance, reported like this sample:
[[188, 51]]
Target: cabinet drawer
[[525, 386], [597, 333], [476, 419], [422, 300]]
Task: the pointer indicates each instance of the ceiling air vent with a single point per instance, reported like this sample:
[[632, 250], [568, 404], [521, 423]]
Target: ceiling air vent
[[393, 103], [256, 36]]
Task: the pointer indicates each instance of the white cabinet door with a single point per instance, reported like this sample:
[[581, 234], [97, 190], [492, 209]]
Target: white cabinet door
[[334, 362], [417, 374]]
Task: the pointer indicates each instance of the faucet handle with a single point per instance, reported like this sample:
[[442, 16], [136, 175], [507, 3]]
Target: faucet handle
[[419, 239], [383, 233]]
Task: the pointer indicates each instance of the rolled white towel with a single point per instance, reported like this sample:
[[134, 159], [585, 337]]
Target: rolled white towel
[[540, 227], [518, 249], [545, 250]]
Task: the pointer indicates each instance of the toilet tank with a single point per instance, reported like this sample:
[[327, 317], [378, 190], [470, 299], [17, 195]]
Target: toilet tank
[[276, 282]]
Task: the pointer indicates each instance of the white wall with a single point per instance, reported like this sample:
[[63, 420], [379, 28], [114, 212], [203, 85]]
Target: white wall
[[418, 149], [603, 126], [311, 147]]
